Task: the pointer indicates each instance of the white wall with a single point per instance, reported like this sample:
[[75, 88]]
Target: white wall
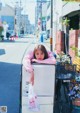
[[70, 7], [7, 10], [49, 21], [57, 13]]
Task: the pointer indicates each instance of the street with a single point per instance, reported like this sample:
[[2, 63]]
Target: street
[[44, 88], [56, 25], [11, 55]]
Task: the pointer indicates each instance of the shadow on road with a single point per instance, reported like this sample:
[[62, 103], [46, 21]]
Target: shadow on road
[[7, 41], [2, 51], [10, 86], [14, 41]]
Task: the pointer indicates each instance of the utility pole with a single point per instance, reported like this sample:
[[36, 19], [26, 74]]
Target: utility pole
[[16, 19], [51, 35], [20, 16]]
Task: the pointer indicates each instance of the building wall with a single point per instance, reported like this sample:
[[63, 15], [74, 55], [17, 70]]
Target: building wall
[[7, 15], [38, 16], [57, 15], [41, 10], [48, 22], [69, 7], [25, 23], [44, 16], [7, 11], [9, 20], [65, 9], [36, 21], [73, 42]]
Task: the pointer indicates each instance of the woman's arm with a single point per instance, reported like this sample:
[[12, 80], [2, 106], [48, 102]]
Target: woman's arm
[[27, 61], [46, 61]]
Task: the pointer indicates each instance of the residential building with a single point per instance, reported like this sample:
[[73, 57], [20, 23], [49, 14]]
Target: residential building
[[73, 13], [48, 20], [41, 10], [7, 15], [25, 24], [18, 20], [44, 15], [66, 12]]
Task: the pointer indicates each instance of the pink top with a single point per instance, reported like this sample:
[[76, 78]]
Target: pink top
[[27, 60]]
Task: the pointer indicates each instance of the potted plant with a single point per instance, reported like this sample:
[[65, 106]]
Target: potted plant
[[62, 57], [74, 94]]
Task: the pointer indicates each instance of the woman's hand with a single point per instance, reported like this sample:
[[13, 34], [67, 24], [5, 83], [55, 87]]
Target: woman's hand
[[34, 60], [32, 78]]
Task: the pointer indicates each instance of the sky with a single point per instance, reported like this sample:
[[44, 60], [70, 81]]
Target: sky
[[28, 7]]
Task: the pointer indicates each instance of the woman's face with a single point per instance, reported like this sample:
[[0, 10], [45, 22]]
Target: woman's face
[[39, 55]]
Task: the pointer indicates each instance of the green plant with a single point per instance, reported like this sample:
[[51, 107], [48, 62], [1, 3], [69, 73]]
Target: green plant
[[76, 50], [65, 21], [71, 28]]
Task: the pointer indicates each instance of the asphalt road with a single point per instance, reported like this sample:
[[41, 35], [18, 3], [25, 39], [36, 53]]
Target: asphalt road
[[11, 54]]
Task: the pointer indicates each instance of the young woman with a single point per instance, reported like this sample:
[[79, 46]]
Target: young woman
[[39, 55]]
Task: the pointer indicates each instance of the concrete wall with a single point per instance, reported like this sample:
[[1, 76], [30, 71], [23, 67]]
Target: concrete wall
[[59, 41], [69, 7], [7, 10], [73, 42]]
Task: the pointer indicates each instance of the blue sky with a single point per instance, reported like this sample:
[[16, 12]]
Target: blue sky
[[28, 6]]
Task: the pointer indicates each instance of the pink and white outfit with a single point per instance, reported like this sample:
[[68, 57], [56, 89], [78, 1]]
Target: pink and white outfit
[[28, 58]]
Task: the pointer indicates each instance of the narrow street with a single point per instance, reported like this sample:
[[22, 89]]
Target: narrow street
[[11, 55], [25, 24]]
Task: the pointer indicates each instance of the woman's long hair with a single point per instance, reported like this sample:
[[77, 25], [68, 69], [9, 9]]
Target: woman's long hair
[[43, 49]]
